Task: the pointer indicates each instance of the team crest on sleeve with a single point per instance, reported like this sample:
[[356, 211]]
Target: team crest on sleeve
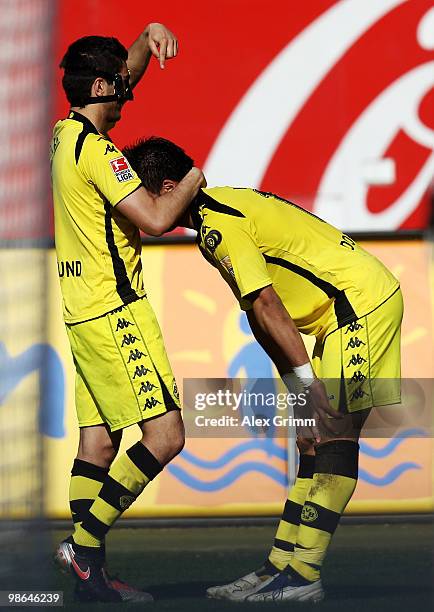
[[212, 240], [121, 169]]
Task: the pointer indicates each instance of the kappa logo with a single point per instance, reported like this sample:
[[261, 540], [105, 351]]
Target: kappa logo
[[212, 240], [147, 386], [141, 371], [116, 310], [121, 169], [358, 377], [128, 339], [175, 390], [358, 394], [353, 327], [355, 343], [150, 403], [110, 149], [135, 355], [356, 360], [309, 513], [125, 501], [122, 324]]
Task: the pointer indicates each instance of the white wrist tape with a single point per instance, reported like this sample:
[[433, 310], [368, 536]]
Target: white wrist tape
[[304, 374]]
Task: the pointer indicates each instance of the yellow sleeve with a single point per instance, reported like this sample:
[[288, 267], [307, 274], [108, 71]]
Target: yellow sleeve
[[108, 169], [232, 246]]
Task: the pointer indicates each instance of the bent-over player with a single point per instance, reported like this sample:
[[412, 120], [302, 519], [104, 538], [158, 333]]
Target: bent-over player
[[292, 272]]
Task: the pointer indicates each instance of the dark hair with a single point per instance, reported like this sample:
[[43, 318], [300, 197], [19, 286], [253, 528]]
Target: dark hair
[[155, 159], [85, 60]]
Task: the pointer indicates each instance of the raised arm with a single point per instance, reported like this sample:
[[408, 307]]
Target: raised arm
[[156, 40], [156, 215]]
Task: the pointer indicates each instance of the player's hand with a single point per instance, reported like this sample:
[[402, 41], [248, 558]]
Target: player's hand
[[199, 176], [162, 43], [204, 183], [318, 408]]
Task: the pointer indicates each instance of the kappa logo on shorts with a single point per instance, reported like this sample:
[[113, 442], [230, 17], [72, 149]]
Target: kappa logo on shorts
[[358, 377], [125, 501], [309, 513], [147, 386], [358, 394], [353, 327], [355, 343], [141, 371], [121, 169], [175, 390], [118, 309], [128, 339], [356, 360], [135, 355], [122, 324], [151, 402], [212, 240]]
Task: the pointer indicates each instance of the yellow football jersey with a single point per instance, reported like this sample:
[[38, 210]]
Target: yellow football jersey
[[98, 249], [256, 239]]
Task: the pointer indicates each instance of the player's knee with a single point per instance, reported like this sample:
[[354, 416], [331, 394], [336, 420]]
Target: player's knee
[[109, 453], [178, 442], [305, 446], [165, 445], [98, 452], [174, 444]]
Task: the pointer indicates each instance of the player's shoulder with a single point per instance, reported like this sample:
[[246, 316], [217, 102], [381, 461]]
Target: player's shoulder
[[239, 198], [229, 193], [101, 146], [230, 206]]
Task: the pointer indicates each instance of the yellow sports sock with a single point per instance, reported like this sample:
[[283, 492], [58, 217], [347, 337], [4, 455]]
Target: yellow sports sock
[[334, 481], [86, 482], [282, 551], [127, 478]]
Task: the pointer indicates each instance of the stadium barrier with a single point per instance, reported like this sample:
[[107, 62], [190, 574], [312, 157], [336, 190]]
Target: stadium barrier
[[206, 337]]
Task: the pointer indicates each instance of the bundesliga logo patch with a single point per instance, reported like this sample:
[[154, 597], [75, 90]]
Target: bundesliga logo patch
[[121, 169]]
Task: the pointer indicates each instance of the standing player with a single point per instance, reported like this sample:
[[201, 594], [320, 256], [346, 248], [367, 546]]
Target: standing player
[[123, 375], [292, 272]]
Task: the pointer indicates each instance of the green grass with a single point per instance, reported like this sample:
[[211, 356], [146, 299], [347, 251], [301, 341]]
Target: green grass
[[369, 567]]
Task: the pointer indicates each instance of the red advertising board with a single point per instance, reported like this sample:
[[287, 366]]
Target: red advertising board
[[329, 103]]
